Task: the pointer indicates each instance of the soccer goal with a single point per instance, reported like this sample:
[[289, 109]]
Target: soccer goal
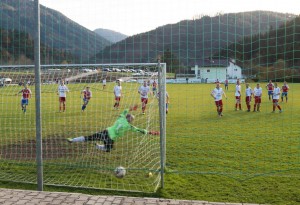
[[91, 102]]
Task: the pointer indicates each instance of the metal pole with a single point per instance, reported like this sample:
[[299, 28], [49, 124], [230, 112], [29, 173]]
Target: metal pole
[[37, 63], [162, 115]]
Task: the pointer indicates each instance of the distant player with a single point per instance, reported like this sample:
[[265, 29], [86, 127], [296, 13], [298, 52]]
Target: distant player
[[238, 96], [118, 94], [154, 88], [167, 101], [270, 88], [276, 96], [285, 90], [217, 95], [257, 93], [226, 84], [26, 95], [87, 95], [62, 93], [104, 83], [143, 91], [249, 94]]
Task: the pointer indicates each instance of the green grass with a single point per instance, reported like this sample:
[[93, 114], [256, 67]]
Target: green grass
[[241, 157]]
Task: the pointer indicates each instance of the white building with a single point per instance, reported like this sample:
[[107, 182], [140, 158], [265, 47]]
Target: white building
[[219, 69]]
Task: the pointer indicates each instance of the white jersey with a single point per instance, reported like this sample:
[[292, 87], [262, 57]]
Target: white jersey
[[62, 90], [104, 82], [238, 90], [144, 91], [276, 93], [248, 92], [217, 93], [257, 91], [117, 91]]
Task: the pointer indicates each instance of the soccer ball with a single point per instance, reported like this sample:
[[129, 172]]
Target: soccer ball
[[120, 172]]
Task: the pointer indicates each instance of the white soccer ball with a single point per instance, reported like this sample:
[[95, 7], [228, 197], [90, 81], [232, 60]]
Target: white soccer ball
[[120, 172]]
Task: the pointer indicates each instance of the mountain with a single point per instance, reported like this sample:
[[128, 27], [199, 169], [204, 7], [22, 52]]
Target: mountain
[[189, 40], [57, 31], [17, 47], [276, 51], [110, 35]]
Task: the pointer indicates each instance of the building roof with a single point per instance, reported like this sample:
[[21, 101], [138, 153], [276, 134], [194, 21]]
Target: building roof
[[212, 62]]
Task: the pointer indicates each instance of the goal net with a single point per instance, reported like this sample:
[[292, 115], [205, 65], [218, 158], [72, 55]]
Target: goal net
[[81, 164]]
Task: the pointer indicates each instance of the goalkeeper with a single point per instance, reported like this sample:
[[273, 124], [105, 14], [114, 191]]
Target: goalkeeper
[[111, 134]]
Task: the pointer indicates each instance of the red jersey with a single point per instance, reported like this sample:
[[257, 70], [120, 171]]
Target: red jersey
[[87, 94], [26, 93], [154, 84], [285, 88], [270, 86]]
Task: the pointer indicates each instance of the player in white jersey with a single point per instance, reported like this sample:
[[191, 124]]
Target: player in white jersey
[[118, 94], [238, 96], [248, 96], [144, 91], [104, 83], [276, 96], [62, 93], [257, 92], [217, 95]]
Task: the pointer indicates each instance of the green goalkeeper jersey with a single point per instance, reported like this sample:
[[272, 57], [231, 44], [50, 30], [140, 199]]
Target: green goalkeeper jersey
[[121, 126]]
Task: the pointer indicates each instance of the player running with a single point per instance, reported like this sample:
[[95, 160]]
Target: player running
[[113, 133], [238, 96], [143, 91], [87, 95], [249, 93], [62, 93], [118, 94], [26, 95], [270, 88], [217, 95], [285, 90], [257, 92], [276, 96]]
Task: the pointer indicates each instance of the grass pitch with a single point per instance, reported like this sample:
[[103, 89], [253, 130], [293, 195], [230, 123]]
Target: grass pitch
[[241, 157]]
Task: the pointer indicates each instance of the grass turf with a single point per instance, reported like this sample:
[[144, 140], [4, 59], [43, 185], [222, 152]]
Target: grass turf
[[241, 157]]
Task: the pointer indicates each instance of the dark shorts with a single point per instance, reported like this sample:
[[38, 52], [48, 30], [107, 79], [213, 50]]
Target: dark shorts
[[270, 92], [102, 136], [24, 101], [85, 100], [118, 98], [248, 99], [257, 99], [144, 100], [284, 94], [62, 99], [219, 103]]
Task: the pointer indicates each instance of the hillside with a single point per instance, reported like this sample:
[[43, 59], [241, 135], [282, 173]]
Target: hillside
[[57, 31], [110, 35], [191, 39]]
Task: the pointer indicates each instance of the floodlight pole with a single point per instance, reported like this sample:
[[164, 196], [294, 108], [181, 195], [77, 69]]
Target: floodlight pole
[[38, 120]]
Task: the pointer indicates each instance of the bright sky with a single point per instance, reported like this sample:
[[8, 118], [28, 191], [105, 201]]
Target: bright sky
[[137, 16]]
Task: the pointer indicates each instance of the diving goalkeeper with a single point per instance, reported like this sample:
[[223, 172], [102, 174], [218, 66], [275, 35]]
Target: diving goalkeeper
[[111, 134]]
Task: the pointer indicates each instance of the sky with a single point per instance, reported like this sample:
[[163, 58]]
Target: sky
[[137, 16]]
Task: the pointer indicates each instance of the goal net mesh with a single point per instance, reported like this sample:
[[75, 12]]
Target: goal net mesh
[[241, 155], [81, 164]]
